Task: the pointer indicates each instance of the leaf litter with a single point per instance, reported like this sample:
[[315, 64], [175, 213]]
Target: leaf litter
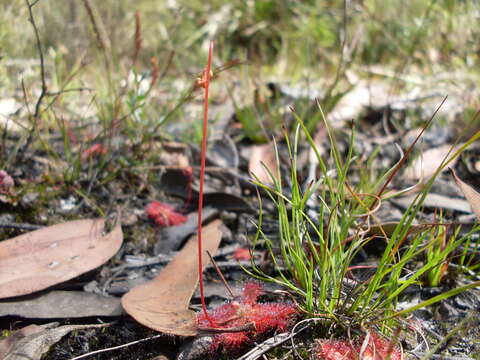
[[38, 341], [263, 162], [58, 304], [472, 196], [170, 238], [162, 304], [39, 259], [187, 180], [183, 313]]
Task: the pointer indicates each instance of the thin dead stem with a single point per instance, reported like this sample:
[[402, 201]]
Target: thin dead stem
[[40, 55], [116, 347], [100, 31], [219, 272], [44, 88]]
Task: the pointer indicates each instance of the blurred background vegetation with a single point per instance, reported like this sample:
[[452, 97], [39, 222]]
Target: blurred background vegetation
[[299, 34], [319, 43]]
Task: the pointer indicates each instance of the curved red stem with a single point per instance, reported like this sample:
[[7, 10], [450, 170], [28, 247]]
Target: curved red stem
[[202, 176]]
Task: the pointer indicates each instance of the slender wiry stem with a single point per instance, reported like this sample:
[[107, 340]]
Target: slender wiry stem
[[219, 272], [202, 175], [44, 89], [42, 60]]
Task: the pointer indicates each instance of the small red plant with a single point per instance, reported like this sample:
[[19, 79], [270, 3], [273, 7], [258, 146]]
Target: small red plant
[[163, 214], [377, 348], [93, 151], [242, 253], [246, 318], [336, 350]]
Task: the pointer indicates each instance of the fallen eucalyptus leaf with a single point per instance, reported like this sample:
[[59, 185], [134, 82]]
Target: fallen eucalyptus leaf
[[263, 156], [435, 201], [33, 346], [425, 165], [472, 196], [175, 182], [61, 304], [162, 304], [223, 201], [223, 152], [171, 238], [7, 343], [42, 258]]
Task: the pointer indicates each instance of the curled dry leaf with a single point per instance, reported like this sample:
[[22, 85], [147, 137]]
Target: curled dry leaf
[[174, 154], [39, 341], [52, 255], [472, 196], [263, 156], [424, 166], [172, 237], [7, 342], [162, 304]]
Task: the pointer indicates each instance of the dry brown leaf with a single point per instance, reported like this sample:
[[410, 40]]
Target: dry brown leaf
[[472, 196], [162, 304], [34, 345], [7, 343], [49, 256], [61, 304], [436, 201], [263, 156], [424, 166], [174, 154]]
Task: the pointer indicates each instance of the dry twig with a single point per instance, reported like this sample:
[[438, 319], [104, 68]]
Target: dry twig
[[100, 31], [44, 88]]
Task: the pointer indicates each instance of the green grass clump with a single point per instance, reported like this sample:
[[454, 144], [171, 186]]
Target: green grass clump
[[315, 254]]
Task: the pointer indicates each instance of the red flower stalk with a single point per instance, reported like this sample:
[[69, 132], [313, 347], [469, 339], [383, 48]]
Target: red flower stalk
[[377, 349], [244, 313], [206, 84], [164, 214]]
